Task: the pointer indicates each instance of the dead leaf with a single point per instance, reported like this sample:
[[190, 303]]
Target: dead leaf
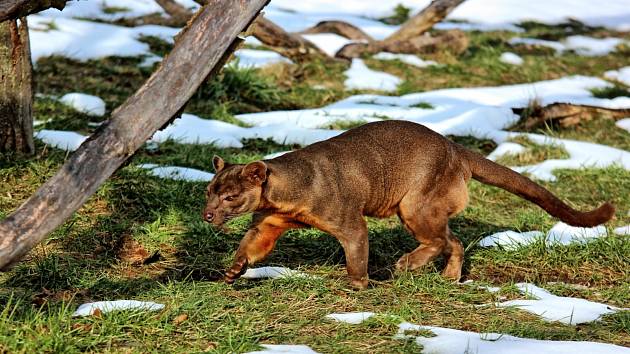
[[179, 319], [132, 251], [97, 313]]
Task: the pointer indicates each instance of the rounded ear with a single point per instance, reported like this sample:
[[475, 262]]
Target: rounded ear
[[218, 163], [255, 172]]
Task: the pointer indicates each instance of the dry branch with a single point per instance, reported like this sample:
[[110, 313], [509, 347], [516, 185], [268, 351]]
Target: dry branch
[[566, 114], [424, 20], [341, 28], [198, 49], [13, 9], [454, 41], [290, 45]]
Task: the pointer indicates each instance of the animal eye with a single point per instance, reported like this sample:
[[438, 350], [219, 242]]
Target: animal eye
[[229, 198]]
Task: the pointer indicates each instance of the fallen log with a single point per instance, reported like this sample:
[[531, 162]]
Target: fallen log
[[565, 115], [204, 43]]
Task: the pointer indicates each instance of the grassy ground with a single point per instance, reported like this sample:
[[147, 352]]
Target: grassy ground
[[98, 254]]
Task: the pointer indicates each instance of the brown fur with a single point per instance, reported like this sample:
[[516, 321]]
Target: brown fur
[[379, 169]]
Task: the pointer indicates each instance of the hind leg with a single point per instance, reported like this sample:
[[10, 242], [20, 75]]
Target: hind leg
[[428, 224], [427, 219], [454, 255]]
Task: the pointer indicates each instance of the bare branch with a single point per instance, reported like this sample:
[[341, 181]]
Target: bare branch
[[424, 20], [13, 9]]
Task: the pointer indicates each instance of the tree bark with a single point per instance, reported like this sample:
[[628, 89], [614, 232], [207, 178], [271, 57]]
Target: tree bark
[[16, 96], [200, 46], [424, 20], [12, 9]]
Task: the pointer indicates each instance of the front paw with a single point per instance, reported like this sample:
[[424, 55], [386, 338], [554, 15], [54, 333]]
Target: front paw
[[238, 268]]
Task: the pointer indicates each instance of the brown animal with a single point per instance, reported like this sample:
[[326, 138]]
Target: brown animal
[[378, 169]]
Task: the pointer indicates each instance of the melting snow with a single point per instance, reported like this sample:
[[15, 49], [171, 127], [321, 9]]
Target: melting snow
[[178, 173], [405, 58], [107, 306], [622, 75], [350, 317], [64, 140], [560, 233], [452, 341], [622, 230], [568, 310], [284, 348], [258, 58], [190, 129], [506, 148], [624, 124], [511, 58], [82, 102], [360, 77], [330, 43], [510, 239], [271, 272], [582, 45], [84, 40], [582, 154]]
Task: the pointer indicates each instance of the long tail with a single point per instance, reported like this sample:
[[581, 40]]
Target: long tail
[[491, 173]]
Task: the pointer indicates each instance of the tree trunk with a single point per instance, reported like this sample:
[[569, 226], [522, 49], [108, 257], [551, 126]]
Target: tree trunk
[[16, 96], [199, 48], [13, 9], [424, 20]]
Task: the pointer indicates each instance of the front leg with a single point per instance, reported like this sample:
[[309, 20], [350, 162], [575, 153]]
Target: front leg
[[353, 236], [258, 242]]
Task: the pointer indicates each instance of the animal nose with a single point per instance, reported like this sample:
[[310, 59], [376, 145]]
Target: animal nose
[[209, 216]]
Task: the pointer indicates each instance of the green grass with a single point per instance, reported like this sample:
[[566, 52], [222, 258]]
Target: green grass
[[85, 259]]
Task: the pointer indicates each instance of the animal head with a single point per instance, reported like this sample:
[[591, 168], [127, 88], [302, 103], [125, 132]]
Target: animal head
[[234, 190]]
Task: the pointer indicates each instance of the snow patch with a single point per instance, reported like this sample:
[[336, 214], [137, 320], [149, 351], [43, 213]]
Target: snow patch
[[582, 45], [350, 317], [622, 75], [510, 239], [360, 77], [504, 149], [330, 43], [178, 173], [108, 306], [284, 348], [565, 234], [253, 58], [453, 341], [64, 140], [581, 154], [272, 272], [624, 124], [511, 58], [560, 233], [552, 308], [84, 40], [405, 58], [622, 230], [84, 103]]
